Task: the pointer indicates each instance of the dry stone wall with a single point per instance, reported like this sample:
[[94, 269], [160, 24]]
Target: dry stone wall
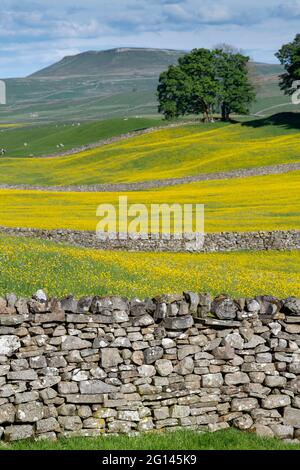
[[213, 242], [110, 365]]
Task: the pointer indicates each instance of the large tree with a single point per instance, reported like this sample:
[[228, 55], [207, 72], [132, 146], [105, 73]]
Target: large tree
[[236, 91], [174, 91], [198, 65], [289, 57], [204, 80]]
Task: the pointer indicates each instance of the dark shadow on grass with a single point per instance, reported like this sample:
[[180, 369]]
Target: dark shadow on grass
[[285, 120]]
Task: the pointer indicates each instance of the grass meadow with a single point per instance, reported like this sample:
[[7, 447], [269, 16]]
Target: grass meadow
[[27, 265], [242, 204], [168, 153], [176, 440]]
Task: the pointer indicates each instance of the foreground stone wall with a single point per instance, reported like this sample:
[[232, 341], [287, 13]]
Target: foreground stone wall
[[109, 365], [213, 242]]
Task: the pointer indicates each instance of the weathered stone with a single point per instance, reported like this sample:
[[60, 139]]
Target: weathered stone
[[187, 351], [4, 370], [66, 410], [73, 342], [244, 404], [110, 357], [65, 388], [128, 415], [22, 375], [153, 354], [120, 316], [283, 431], [26, 397], [224, 308], [37, 362], [47, 425], [291, 306], [212, 380], [84, 411], [262, 430], [44, 382], [29, 412], [145, 424], [94, 387], [16, 433], [193, 300], [237, 378], [121, 427], [121, 342], [84, 399], [180, 323], [146, 371], [40, 296], [292, 417], [243, 422], [255, 341], [168, 343], [164, 367], [276, 401], [252, 306], [180, 411], [161, 413], [143, 320], [70, 423], [275, 381], [7, 413], [184, 367], [223, 352], [69, 304], [9, 344], [234, 340]]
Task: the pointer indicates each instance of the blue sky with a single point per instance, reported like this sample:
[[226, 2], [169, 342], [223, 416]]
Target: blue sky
[[36, 33]]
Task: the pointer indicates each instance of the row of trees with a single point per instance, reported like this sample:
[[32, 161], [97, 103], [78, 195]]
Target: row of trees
[[206, 81], [209, 81]]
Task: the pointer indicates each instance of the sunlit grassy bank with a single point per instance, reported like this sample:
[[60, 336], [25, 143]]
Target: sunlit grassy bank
[[241, 204], [26, 265], [179, 440], [189, 150]]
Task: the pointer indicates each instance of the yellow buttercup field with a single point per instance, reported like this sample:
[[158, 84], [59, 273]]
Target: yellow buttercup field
[[241, 204], [167, 153], [27, 265]]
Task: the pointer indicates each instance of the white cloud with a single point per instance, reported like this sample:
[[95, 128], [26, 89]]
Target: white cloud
[[43, 31]]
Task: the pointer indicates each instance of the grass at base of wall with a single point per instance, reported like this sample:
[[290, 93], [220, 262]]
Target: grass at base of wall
[[177, 440], [30, 264]]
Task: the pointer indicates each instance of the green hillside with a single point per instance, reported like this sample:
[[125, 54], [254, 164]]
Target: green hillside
[[45, 139], [109, 84], [166, 153], [122, 61]]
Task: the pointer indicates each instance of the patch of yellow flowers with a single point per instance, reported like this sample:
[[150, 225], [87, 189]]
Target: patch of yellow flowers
[[27, 265], [161, 154], [242, 204]]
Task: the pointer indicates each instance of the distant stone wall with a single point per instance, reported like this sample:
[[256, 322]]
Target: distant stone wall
[[213, 242], [110, 365]]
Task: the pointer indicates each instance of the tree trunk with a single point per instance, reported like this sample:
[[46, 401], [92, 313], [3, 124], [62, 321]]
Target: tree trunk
[[225, 112]]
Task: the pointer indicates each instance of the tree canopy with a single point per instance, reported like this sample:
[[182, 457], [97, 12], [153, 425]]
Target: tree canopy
[[205, 80], [289, 57]]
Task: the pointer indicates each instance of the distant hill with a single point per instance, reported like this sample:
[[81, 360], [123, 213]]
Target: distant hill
[[114, 83], [122, 61]]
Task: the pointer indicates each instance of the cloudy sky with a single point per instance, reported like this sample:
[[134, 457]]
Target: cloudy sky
[[36, 33]]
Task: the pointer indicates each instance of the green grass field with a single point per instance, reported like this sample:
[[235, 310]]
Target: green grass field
[[45, 139], [242, 204], [27, 265], [168, 153], [177, 440]]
